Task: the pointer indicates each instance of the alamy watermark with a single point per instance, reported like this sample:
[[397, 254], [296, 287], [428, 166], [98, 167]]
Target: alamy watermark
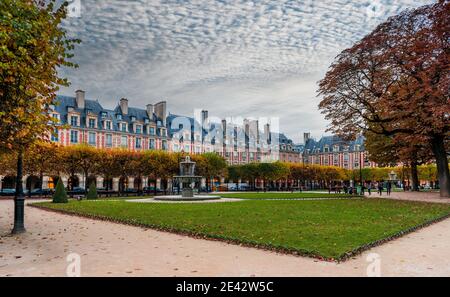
[[73, 269], [74, 9], [374, 267]]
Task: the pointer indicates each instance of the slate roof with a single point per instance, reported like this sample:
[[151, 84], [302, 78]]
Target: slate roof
[[94, 107], [318, 146]]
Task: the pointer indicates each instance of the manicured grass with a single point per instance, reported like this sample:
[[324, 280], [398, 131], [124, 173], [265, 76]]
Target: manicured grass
[[323, 228], [276, 195]]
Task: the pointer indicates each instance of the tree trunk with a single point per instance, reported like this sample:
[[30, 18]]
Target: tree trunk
[[19, 199], [438, 147], [414, 177], [41, 181]]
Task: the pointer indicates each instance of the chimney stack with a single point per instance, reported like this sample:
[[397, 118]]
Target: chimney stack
[[124, 105], [150, 111], [306, 137], [267, 133], [205, 119], [161, 112], [80, 98]]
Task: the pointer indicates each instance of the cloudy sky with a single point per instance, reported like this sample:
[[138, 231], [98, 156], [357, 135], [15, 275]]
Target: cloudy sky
[[233, 58]]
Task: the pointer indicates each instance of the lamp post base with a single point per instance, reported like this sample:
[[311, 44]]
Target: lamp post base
[[19, 205]]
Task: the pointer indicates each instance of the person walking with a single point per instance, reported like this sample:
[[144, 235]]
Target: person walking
[[369, 188], [388, 188], [380, 188]]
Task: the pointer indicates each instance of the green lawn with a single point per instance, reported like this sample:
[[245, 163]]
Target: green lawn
[[324, 228], [276, 195]]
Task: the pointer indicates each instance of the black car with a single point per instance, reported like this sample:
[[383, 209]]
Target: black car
[[8, 192], [43, 192]]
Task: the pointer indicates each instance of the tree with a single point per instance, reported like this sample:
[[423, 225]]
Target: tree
[[215, 166], [106, 166], [40, 159], [60, 195], [86, 158], [92, 193], [395, 82], [390, 150], [32, 48], [68, 161]]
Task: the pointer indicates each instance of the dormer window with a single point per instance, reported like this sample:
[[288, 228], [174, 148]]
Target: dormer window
[[108, 125], [119, 117], [92, 123], [133, 118], [104, 115], [139, 129], [146, 121], [74, 121]]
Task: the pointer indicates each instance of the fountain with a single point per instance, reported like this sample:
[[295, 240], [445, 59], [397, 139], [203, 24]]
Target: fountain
[[186, 179]]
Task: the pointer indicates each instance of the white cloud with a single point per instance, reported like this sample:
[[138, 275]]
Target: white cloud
[[231, 57]]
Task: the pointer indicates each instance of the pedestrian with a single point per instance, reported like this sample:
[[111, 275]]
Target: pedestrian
[[380, 188], [345, 189], [369, 188], [388, 188]]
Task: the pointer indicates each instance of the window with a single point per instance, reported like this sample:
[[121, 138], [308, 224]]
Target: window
[[152, 130], [164, 145], [74, 121], [73, 136], [152, 144], [124, 127], [138, 143], [55, 135], [124, 141], [119, 117], [108, 125], [139, 129], [108, 140], [163, 132], [55, 117], [92, 123], [92, 138]]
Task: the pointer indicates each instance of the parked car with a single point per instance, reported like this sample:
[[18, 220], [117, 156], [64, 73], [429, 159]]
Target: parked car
[[76, 191], [43, 192], [8, 192], [151, 190]]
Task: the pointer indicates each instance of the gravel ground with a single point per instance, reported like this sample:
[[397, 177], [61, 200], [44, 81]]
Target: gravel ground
[[109, 249]]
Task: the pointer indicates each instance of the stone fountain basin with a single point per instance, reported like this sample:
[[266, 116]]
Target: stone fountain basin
[[180, 198]]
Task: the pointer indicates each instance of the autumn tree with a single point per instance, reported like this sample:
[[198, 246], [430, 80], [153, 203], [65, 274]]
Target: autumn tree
[[395, 82], [40, 160], [33, 46], [390, 150]]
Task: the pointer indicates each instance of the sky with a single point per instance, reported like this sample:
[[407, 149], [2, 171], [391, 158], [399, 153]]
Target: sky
[[253, 59]]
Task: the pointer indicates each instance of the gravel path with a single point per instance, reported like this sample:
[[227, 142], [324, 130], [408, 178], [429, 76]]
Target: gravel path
[[113, 249], [412, 196]]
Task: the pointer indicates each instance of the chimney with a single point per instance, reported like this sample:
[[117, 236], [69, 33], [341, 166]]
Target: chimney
[[267, 133], [161, 112], [124, 105], [80, 99], [150, 111], [205, 119], [306, 137]]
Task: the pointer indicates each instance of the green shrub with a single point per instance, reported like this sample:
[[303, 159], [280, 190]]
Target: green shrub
[[92, 194], [60, 195]]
